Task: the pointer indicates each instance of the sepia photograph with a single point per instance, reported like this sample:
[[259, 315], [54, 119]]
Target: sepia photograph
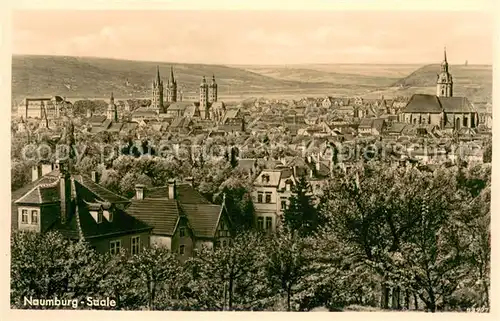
[[251, 160]]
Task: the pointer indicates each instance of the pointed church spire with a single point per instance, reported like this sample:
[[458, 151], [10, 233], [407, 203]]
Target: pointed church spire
[[445, 54], [172, 74], [158, 74], [112, 97]]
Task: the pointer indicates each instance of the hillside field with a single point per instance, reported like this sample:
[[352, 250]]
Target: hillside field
[[84, 77]]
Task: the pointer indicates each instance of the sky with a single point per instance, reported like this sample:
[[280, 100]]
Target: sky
[[258, 37]]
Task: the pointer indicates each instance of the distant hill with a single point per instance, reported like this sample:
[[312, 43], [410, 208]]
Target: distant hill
[[304, 74], [97, 77], [84, 77], [472, 81]]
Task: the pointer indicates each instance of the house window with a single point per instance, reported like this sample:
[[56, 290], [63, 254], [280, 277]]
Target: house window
[[224, 243], [114, 246], [34, 217], [24, 216], [99, 217], [259, 197], [283, 204], [182, 232], [108, 215], [269, 223], [135, 244], [182, 249], [260, 223], [217, 243], [268, 197]]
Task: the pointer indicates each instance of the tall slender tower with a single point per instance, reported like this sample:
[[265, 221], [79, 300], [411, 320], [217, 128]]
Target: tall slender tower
[[204, 99], [444, 80], [212, 91], [157, 101], [172, 87], [112, 112]]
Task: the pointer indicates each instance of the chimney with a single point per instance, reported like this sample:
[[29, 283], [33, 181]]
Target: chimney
[[190, 181], [95, 177], [46, 168], [171, 189], [64, 191], [139, 191], [36, 172]]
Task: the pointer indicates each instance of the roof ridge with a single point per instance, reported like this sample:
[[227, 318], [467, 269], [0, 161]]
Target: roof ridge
[[24, 195], [39, 194], [81, 181], [78, 223]]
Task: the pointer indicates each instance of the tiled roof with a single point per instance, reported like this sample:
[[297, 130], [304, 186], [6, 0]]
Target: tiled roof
[[103, 193], [231, 113], [203, 218], [161, 213], [180, 105], [122, 222], [246, 163], [378, 124], [396, 127], [129, 126], [274, 178], [97, 119], [115, 127], [420, 103], [366, 123], [456, 105], [80, 223], [106, 124], [185, 194], [180, 122]]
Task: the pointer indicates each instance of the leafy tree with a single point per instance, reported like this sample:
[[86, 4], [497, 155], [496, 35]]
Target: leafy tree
[[301, 214], [234, 157], [488, 151], [128, 182], [224, 278], [20, 174], [110, 179], [154, 267], [235, 192], [48, 265], [286, 263]]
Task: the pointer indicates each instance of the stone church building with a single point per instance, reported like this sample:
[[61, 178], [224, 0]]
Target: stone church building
[[443, 109]]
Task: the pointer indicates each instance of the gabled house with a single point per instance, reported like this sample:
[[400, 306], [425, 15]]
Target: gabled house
[[371, 126], [272, 190], [80, 209], [182, 219]]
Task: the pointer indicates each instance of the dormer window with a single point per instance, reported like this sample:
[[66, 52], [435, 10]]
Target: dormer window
[[99, 216], [265, 178], [108, 215]]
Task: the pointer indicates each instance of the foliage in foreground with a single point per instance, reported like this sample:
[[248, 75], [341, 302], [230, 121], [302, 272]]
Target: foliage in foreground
[[389, 237]]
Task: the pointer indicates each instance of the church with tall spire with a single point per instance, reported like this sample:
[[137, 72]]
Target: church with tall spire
[[444, 85], [157, 101], [443, 110], [171, 87]]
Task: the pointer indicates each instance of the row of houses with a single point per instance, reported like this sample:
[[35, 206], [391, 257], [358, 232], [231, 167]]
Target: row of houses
[[175, 216]]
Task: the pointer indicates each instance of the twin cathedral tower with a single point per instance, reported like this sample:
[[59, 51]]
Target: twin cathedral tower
[[208, 91]]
